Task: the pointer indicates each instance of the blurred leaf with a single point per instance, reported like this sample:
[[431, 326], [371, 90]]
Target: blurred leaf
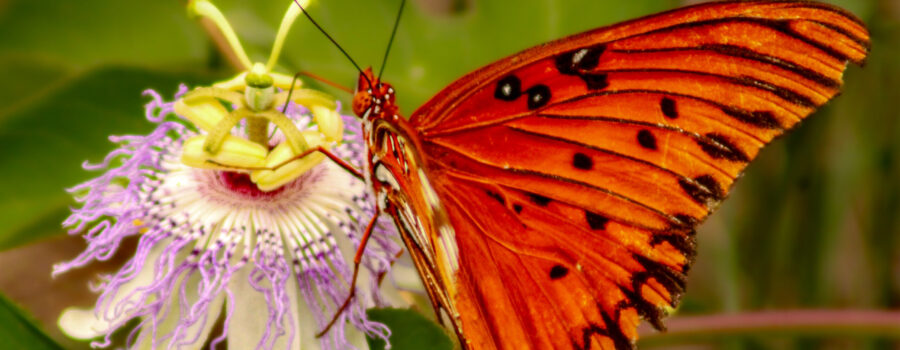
[[145, 32], [45, 142], [18, 331], [409, 331], [25, 76]]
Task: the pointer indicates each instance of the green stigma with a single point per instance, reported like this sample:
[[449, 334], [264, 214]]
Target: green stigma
[[260, 91]]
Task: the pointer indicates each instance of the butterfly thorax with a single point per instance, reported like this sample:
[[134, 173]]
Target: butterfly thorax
[[384, 131]]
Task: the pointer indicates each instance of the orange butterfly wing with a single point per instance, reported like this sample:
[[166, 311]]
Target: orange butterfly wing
[[574, 173]]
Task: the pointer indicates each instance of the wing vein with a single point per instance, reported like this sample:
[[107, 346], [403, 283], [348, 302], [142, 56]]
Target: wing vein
[[745, 53], [553, 177], [695, 136]]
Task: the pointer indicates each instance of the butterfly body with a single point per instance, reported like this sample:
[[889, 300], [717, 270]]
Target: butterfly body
[[549, 199], [396, 173]]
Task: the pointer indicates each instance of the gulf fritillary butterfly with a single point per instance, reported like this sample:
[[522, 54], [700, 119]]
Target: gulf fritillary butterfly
[[549, 199]]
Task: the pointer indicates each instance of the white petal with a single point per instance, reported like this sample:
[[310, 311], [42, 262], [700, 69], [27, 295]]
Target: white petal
[[82, 324], [356, 338], [403, 284], [406, 277], [168, 324], [248, 323], [308, 325], [85, 324]]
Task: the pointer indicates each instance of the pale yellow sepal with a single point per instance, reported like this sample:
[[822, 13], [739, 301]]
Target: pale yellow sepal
[[268, 180], [203, 112], [284, 81], [238, 83], [236, 152], [330, 122], [307, 98]]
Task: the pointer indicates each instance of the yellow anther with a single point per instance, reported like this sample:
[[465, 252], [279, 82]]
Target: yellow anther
[[201, 93], [238, 83], [217, 134], [330, 122], [268, 180], [137, 222], [284, 82], [306, 98], [203, 112], [236, 153]]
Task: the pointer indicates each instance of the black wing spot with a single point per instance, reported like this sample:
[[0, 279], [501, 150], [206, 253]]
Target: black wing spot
[[614, 332], [712, 185], [785, 93], [762, 119], [582, 161], [576, 61], [581, 61], [673, 281], [645, 308], [684, 242], [719, 147], [496, 196], [595, 81], [590, 59], [596, 221], [587, 333], [667, 105], [517, 208], [558, 271], [538, 96], [703, 189], [539, 199], [646, 139], [685, 222], [508, 88]]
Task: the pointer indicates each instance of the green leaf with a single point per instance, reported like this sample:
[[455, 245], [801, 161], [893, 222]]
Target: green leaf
[[25, 76], [409, 331], [18, 330], [45, 142]]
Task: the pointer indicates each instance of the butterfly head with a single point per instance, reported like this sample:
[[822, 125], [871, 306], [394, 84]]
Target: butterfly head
[[373, 97]]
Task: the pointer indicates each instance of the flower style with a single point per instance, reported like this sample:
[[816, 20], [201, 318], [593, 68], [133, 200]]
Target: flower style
[[226, 231]]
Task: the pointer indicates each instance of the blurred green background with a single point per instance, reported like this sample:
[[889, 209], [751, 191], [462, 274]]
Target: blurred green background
[[814, 224]]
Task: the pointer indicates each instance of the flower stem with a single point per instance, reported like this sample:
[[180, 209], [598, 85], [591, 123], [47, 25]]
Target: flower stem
[[790, 322]]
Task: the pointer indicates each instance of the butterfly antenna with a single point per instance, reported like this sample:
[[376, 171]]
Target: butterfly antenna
[[332, 40], [391, 41]]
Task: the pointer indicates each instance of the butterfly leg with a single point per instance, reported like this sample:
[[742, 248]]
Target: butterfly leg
[[337, 160], [356, 261]]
